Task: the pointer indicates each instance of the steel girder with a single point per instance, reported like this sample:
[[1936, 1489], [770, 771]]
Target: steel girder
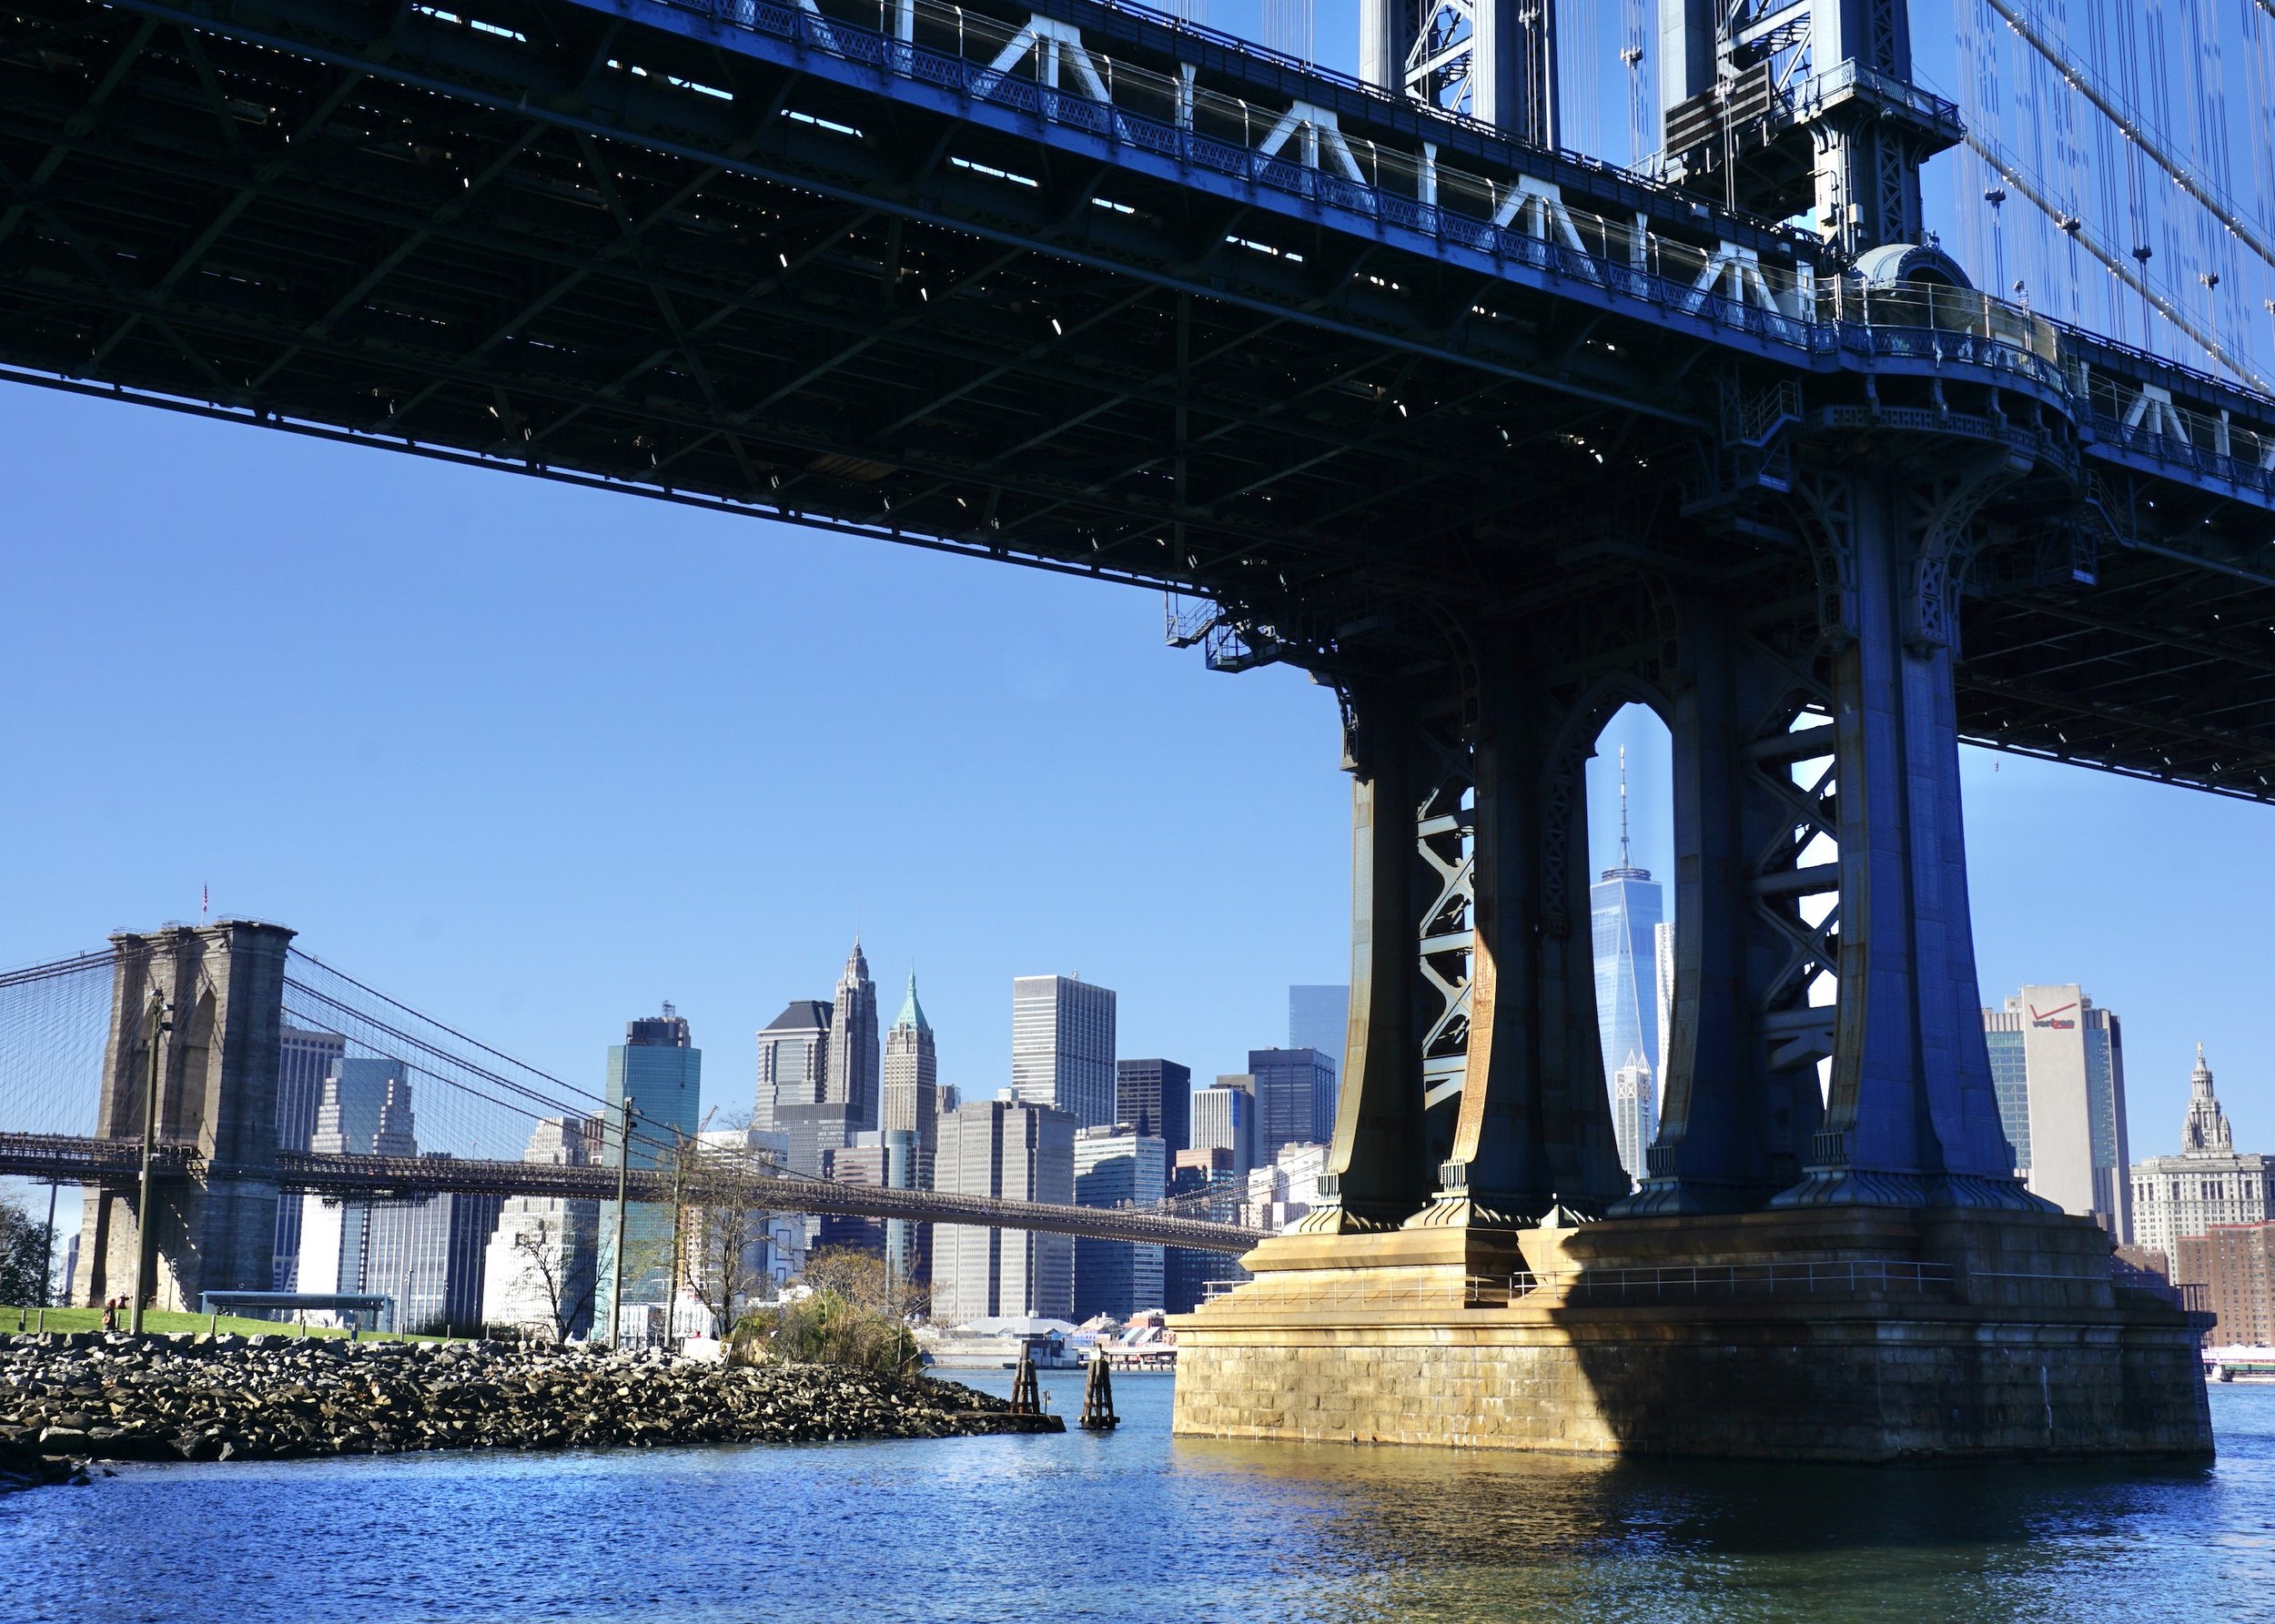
[[959, 325], [547, 292]]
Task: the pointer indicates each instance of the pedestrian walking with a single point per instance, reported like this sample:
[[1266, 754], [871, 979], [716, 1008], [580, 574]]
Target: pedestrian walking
[[110, 1314]]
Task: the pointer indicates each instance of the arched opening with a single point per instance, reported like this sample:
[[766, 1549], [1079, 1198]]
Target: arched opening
[[1630, 917], [182, 1112]]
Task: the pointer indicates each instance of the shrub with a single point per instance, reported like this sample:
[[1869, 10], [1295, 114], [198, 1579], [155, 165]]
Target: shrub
[[825, 1328]]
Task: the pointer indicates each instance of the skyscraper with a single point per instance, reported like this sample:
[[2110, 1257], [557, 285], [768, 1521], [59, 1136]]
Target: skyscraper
[[1224, 1118], [1155, 1097], [911, 1090], [303, 1059], [1319, 1017], [429, 1254], [1117, 1166], [1634, 1115], [864, 1162], [2235, 1265], [2209, 1182], [1002, 1147], [1663, 960], [659, 1068], [2057, 1066], [793, 1060], [852, 1043], [907, 1244], [1295, 1099], [364, 1110], [1062, 1046], [1625, 906]]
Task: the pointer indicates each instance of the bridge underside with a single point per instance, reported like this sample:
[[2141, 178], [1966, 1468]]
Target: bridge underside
[[625, 245]]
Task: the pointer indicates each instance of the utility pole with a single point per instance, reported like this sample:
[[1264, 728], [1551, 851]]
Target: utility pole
[[616, 1262], [678, 1215], [146, 1249]]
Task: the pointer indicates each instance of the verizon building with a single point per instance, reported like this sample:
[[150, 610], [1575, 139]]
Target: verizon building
[[2059, 1066]]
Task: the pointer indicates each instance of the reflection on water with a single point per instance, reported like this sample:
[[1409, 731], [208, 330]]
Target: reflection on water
[[1137, 1526]]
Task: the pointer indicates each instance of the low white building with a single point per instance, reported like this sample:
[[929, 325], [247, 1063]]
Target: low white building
[[1284, 1190]]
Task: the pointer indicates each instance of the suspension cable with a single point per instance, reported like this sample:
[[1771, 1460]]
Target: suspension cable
[[2081, 79]]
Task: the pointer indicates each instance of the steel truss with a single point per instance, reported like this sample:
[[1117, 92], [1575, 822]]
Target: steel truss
[[1318, 405], [112, 1163]]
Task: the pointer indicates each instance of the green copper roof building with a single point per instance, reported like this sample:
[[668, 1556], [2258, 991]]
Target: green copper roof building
[[911, 1081]]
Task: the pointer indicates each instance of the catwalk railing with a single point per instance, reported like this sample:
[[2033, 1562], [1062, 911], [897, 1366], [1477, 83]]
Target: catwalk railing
[[715, 1179], [1046, 69]]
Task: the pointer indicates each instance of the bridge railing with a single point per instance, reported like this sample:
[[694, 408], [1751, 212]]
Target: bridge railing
[[1836, 1278], [1047, 69], [2143, 417]]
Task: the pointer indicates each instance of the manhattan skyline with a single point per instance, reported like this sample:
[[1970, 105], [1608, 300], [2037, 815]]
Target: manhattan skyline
[[456, 667]]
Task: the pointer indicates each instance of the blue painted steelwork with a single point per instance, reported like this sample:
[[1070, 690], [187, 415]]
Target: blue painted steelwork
[[1490, 439], [1909, 330]]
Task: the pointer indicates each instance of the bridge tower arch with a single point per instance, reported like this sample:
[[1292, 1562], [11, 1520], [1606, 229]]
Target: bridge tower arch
[[1474, 1095], [213, 1229]]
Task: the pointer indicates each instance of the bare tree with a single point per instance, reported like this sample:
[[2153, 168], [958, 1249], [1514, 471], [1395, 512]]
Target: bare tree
[[726, 1253], [546, 1265], [862, 1277], [726, 1228]]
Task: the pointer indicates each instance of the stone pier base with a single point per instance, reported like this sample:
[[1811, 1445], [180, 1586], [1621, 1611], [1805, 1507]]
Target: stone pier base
[[1858, 1334]]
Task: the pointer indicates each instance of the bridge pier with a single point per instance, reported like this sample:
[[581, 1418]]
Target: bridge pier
[[213, 1229], [1852, 1333], [1840, 1270]]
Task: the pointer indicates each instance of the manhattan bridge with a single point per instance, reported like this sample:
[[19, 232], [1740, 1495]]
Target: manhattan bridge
[[1377, 378]]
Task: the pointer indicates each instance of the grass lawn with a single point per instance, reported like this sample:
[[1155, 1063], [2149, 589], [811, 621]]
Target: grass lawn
[[91, 1319]]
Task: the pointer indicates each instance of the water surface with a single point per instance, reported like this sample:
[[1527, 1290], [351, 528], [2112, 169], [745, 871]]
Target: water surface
[[1137, 1526]]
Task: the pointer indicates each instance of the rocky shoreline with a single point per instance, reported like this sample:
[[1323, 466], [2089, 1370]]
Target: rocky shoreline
[[69, 1399]]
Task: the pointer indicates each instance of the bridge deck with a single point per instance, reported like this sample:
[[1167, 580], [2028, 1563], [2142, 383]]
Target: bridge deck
[[72, 1159], [770, 259]]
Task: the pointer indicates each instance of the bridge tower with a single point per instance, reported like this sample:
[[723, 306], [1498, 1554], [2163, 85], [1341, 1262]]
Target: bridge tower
[[1479, 1270], [1492, 60], [1773, 106], [215, 1229]]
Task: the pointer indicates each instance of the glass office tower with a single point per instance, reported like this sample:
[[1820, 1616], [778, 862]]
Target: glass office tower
[[1626, 906], [660, 1069]]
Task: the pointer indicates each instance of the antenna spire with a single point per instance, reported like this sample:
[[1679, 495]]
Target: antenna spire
[[1623, 806]]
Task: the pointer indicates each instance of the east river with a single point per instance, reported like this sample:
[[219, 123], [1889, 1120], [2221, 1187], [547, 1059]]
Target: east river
[[1137, 1526]]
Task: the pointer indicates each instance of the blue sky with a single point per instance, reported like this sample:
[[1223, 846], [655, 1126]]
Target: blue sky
[[535, 759]]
